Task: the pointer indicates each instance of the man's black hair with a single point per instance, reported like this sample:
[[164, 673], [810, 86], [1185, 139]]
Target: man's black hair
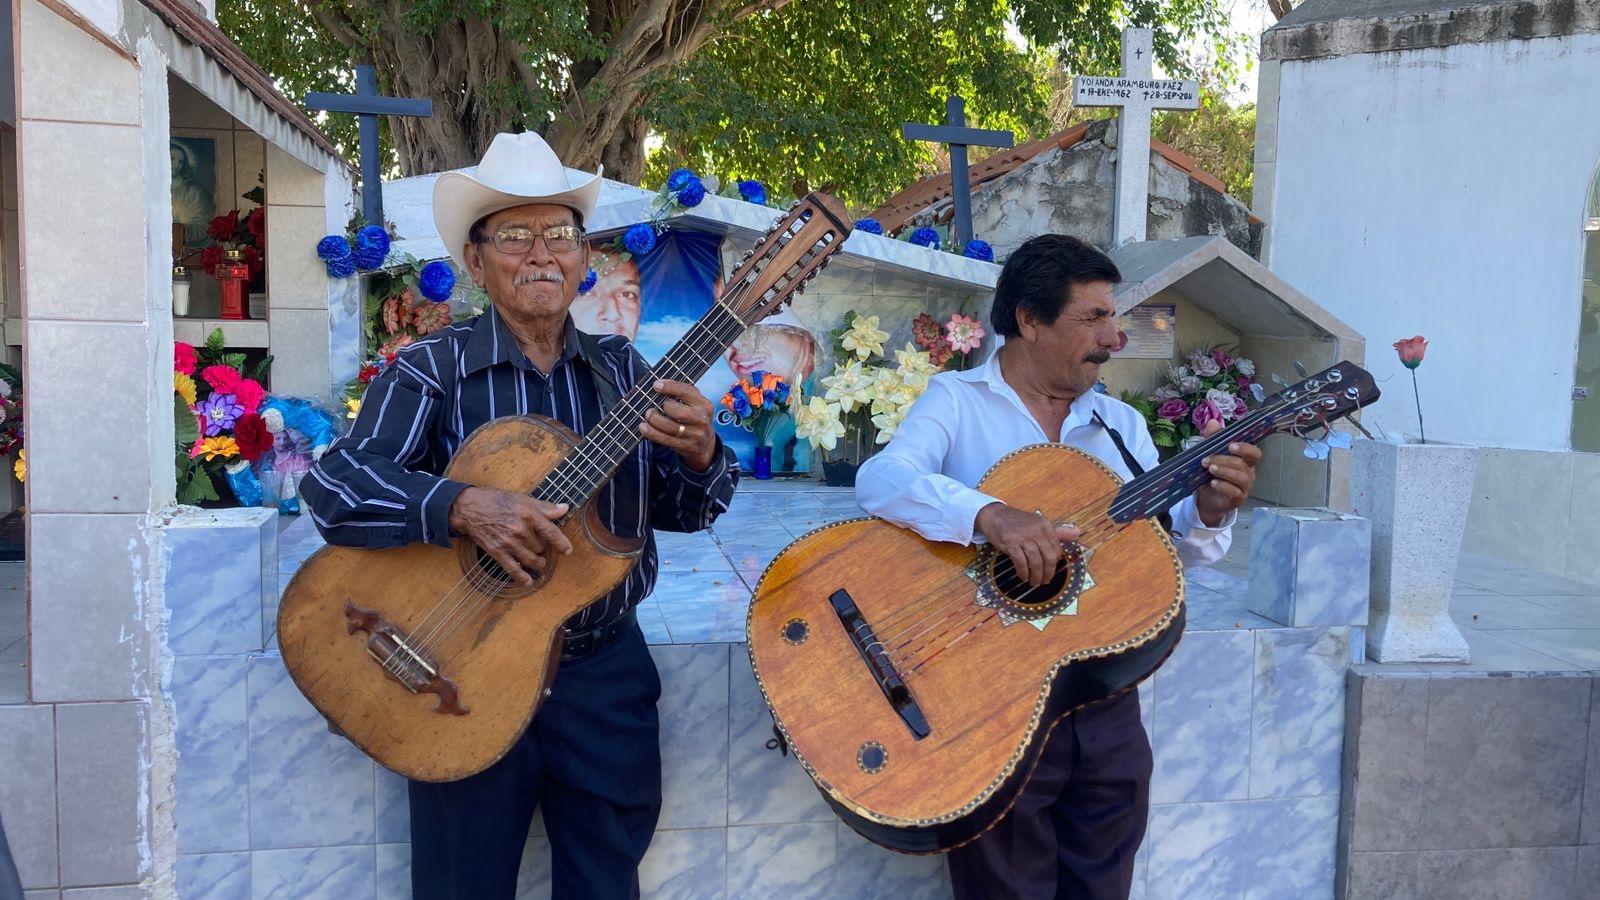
[[1039, 275]]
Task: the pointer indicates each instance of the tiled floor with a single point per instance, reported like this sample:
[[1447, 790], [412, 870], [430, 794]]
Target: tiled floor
[[13, 633], [1519, 620]]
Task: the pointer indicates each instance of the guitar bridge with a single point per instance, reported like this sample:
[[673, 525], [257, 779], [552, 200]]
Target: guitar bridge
[[402, 660], [883, 669]]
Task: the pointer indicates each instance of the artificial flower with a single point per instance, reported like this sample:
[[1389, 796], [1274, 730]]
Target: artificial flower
[[256, 224], [396, 311], [752, 191], [222, 228], [639, 239], [1173, 410], [864, 338], [692, 193], [249, 393], [848, 387], [1222, 400], [1411, 351], [1205, 366], [870, 226], [887, 423], [354, 407], [218, 448], [211, 258], [1166, 392], [679, 179], [437, 281], [368, 372], [223, 379], [1204, 413], [334, 246], [1239, 408], [1188, 384], [818, 422], [589, 278], [219, 412], [342, 267], [20, 467], [428, 317], [1245, 367], [925, 237], [1221, 358], [393, 345], [963, 333], [184, 385], [978, 250], [252, 436], [184, 359]]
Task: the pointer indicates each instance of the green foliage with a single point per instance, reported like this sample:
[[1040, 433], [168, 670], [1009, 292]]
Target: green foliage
[[1219, 137]]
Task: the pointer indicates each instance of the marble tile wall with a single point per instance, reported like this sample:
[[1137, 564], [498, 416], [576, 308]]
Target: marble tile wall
[[1470, 785]]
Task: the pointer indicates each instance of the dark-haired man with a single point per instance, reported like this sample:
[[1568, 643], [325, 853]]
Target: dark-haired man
[[1076, 826]]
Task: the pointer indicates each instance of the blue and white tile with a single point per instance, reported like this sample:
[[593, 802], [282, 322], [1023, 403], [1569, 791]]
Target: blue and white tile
[[392, 797], [652, 623], [796, 862], [308, 786], [1491, 574], [1272, 567], [1578, 646], [211, 701], [705, 607], [684, 553], [1297, 723], [1358, 646], [865, 871], [689, 864], [765, 787], [1221, 582], [1207, 610], [215, 588], [394, 872], [1196, 850], [1202, 719], [1334, 566], [222, 875], [321, 873], [694, 736], [535, 874], [1292, 843]]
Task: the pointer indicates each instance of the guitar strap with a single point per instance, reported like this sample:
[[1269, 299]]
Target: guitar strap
[[593, 357], [1133, 464]]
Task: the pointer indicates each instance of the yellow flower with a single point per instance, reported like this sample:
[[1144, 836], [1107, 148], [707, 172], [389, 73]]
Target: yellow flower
[[184, 385], [354, 405], [818, 422], [887, 422], [20, 469], [214, 447], [849, 387], [865, 338]]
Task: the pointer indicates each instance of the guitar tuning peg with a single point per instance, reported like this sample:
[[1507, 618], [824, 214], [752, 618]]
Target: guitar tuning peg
[[1280, 381]]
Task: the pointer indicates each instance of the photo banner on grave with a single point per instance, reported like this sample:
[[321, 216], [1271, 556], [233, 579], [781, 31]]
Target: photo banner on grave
[[654, 299]]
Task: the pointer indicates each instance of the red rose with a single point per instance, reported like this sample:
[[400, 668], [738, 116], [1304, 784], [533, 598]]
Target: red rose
[[222, 228], [211, 258], [252, 259], [183, 358], [1411, 351], [367, 373], [256, 224], [251, 432]]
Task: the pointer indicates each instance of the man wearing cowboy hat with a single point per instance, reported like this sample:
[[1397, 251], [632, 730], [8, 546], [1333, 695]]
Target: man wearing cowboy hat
[[590, 759]]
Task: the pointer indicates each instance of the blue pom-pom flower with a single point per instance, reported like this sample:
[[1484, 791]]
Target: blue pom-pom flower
[[870, 226], [373, 237], [367, 259], [341, 266], [925, 237], [752, 191], [334, 246], [979, 250], [587, 284], [679, 179], [639, 239], [692, 193], [437, 281]]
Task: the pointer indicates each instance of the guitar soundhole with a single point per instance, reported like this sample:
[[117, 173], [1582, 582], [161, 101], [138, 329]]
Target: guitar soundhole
[[871, 758], [1001, 588], [795, 631], [1024, 594], [490, 578]]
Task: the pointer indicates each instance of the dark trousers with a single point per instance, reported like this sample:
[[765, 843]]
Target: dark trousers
[[591, 761], [1074, 830]]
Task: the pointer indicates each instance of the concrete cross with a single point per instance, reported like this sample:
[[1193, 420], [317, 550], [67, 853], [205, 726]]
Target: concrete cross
[[959, 137], [368, 105], [1139, 94]]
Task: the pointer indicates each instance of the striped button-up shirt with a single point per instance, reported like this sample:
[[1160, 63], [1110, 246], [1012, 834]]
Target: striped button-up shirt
[[381, 485]]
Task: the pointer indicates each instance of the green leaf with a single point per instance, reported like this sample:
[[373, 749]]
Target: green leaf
[[233, 360], [194, 483], [216, 342], [1164, 439], [259, 373], [188, 429]]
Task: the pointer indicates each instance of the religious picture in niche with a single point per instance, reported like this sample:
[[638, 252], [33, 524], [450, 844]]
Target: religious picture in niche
[[653, 299], [194, 181], [1152, 331]]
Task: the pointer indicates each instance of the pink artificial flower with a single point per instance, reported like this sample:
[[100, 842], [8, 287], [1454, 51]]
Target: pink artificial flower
[[1174, 410], [184, 358], [1222, 358], [249, 393], [1239, 409], [963, 333], [1205, 412], [223, 379]]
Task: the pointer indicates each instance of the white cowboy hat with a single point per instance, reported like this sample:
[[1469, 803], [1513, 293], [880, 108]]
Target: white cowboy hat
[[517, 169]]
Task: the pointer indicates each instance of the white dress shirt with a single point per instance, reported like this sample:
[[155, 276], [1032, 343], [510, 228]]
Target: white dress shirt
[[924, 479]]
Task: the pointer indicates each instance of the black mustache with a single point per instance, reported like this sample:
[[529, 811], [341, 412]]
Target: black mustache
[[1098, 358]]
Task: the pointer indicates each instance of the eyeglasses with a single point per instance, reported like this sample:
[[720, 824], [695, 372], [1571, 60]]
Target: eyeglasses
[[515, 240]]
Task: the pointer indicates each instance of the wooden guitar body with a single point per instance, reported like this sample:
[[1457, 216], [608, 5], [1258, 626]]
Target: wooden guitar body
[[493, 667], [862, 634]]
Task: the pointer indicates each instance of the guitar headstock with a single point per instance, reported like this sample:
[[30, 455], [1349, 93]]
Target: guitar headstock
[[1333, 393], [788, 256]]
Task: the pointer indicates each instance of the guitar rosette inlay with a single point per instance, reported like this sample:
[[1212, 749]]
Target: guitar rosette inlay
[[1000, 589]]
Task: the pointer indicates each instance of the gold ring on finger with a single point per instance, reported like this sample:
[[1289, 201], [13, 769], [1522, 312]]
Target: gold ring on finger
[[680, 429]]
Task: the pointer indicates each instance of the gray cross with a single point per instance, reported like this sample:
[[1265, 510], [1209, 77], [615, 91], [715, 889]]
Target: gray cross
[[959, 137], [368, 105]]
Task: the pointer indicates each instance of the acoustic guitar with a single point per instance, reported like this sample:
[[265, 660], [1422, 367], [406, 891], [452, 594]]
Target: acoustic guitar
[[431, 659], [917, 681]]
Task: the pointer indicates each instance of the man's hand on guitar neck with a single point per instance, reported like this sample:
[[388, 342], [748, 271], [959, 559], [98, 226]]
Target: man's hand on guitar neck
[[1032, 541], [517, 531], [1232, 475], [683, 424]]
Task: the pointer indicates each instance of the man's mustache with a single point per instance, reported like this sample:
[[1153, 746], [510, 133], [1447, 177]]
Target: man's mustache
[[1099, 358], [535, 277]]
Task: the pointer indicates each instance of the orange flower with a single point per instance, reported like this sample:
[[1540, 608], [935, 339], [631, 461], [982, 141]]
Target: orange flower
[[727, 401], [754, 395], [1411, 351]]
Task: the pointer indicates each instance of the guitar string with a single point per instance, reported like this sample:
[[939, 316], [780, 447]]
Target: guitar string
[[1095, 531], [1098, 534], [708, 335]]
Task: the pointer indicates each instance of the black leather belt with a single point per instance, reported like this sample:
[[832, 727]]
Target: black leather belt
[[580, 644]]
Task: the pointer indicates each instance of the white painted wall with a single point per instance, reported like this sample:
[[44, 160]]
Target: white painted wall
[[1441, 192]]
